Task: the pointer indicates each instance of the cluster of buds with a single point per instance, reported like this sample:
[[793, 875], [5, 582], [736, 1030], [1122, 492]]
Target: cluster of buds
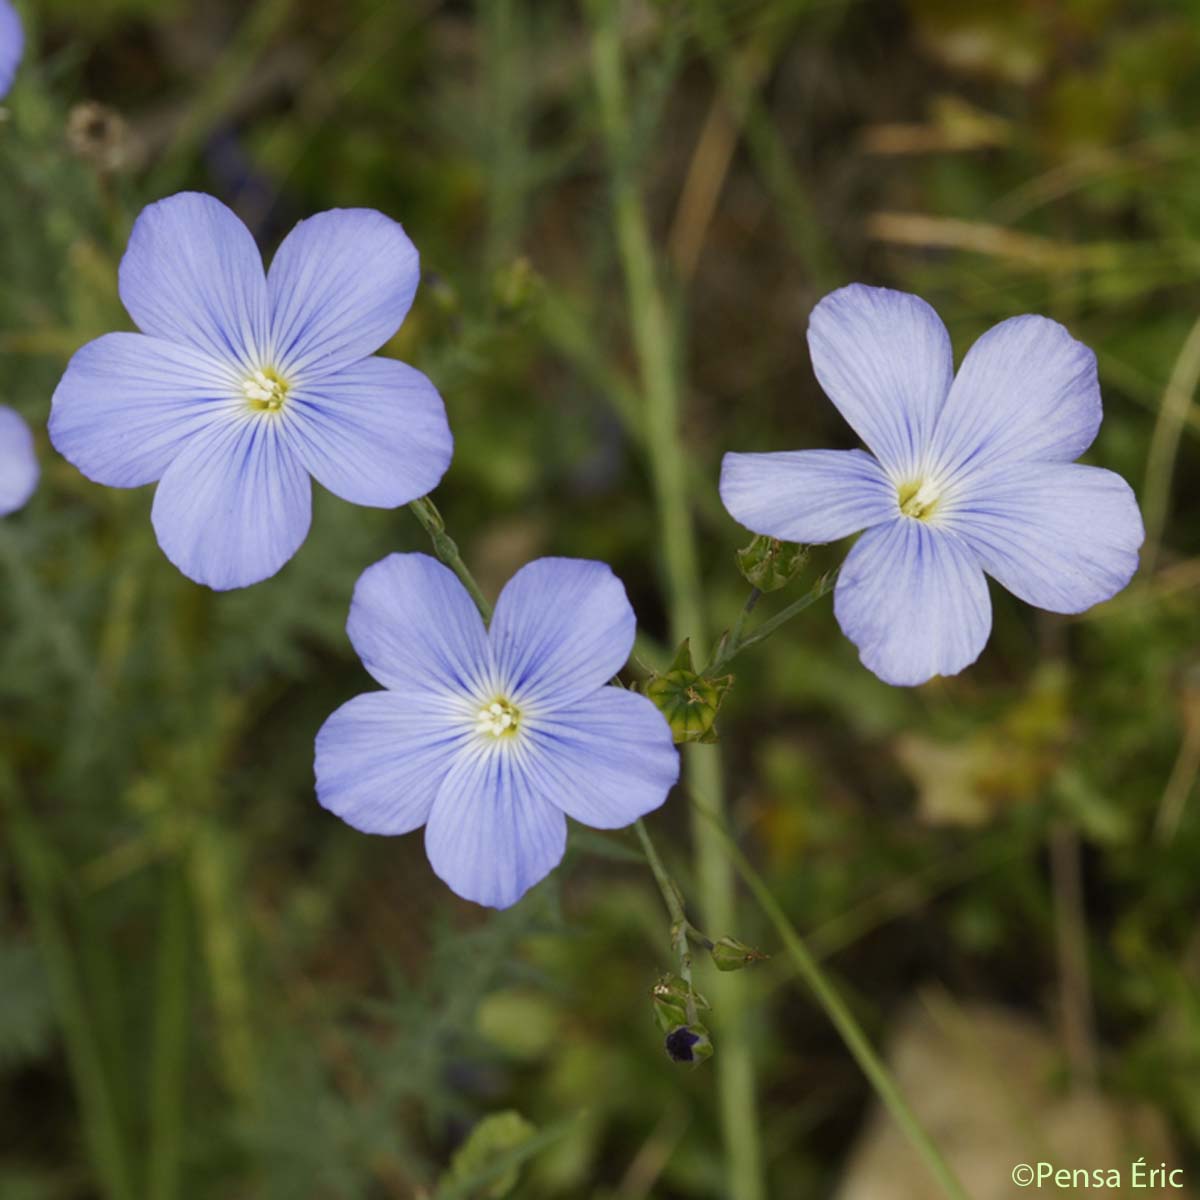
[[677, 1004]]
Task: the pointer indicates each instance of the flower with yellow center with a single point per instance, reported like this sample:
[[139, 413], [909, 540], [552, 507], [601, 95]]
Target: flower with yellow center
[[246, 385], [492, 736], [967, 475]]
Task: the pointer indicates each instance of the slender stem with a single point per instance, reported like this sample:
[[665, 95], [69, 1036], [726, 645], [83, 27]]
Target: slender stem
[[101, 1126], [1071, 938], [212, 885], [735, 635], [682, 930], [735, 644], [1177, 401], [168, 1067], [666, 885], [654, 343], [835, 1008], [446, 549]]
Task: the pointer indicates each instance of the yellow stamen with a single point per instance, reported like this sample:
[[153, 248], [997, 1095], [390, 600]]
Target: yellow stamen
[[265, 390], [919, 499]]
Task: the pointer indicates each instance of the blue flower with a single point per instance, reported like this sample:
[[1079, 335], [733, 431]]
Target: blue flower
[[12, 45], [18, 464], [243, 384], [492, 737], [967, 474]]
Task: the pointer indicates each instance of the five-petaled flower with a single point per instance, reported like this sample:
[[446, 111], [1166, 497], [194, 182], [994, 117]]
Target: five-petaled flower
[[967, 474], [12, 45], [491, 736], [242, 384], [18, 463]]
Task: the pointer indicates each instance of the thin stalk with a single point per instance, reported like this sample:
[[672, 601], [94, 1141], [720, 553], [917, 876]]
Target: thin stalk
[[733, 637], [1076, 1014], [736, 642], [102, 1133], [211, 885], [843, 1019], [446, 549], [739, 625], [654, 344], [168, 1064], [1177, 402], [683, 932]]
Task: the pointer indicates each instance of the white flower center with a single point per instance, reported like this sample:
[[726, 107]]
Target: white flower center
[[919, 499], [498, 719], [265, 390]]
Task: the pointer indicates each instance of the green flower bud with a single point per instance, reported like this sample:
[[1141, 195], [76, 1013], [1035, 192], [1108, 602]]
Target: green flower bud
[[731, 955], [689, 1044], [670, 996], [689, 701], [769, 564]]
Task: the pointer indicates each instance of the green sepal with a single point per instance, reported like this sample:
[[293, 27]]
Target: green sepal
[[670, 996], [731, 955], [689, 701], [769, 564]]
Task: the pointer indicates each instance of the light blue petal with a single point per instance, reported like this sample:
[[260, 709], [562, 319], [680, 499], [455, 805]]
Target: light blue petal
[[562, 628], [1061, 536], [417, 631], [192, 273], [807, 495], [18, 462], [884, 359], [606, 760], [381, 758], [341, 284], [914, 601], [375, 433], [491, 836], [12, 46], [1026, 390], [128, 404], [234, 505]]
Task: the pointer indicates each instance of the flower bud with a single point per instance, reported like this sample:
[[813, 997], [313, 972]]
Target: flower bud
[[670, 996], [689, 701], [689, 1044], [731, 955], [769, 564]]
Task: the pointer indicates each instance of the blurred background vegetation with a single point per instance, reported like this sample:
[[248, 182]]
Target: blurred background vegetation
[[211, 988]]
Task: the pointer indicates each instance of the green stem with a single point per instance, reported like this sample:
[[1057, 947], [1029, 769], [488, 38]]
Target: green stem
[[446, 549], [682, 930], [735, 635], [843, 1020], [654, 345], [169, 1061], [666, 885], [98, 1111], [736, 643], [212, 886]]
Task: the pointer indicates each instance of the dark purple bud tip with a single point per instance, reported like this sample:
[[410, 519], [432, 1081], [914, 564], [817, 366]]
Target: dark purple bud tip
[[689, 1044]]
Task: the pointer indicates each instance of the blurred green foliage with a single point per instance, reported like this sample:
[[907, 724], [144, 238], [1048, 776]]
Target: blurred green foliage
[[210, 987]]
